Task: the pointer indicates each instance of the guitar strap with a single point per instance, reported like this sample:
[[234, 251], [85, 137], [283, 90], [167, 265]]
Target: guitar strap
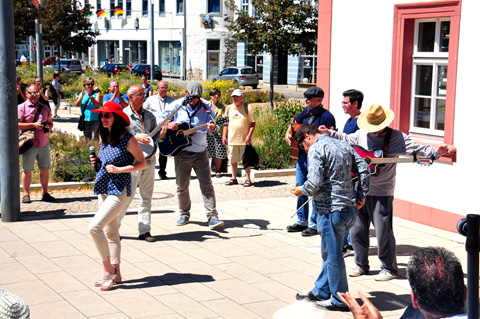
[[386, 143]]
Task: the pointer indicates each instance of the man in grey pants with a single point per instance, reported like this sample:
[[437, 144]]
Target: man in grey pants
[[374, 134], [196, 113]]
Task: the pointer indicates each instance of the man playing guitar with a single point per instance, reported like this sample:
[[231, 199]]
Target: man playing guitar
[[142, 122], [314, 113], [196, 113]]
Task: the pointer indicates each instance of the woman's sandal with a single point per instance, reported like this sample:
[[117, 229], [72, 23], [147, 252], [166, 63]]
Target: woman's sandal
[[232, 182], [100, 282], [247, 183], [108, 281]]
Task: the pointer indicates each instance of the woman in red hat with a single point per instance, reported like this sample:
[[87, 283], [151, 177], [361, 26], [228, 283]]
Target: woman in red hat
[[119, 155]]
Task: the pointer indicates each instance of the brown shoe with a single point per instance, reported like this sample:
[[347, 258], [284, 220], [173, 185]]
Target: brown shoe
[[232, 182]]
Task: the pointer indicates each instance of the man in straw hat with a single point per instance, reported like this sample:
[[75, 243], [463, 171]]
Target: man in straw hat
[[374, 134]]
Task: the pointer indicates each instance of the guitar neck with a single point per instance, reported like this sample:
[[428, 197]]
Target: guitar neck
[[383, 160], [165, 120], [194, 129]]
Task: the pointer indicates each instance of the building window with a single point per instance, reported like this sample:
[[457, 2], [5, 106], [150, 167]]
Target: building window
[[245, 5], [170, 58], [424, 66], [213, 6], [129, 8], [429, 76], [112, 7], [99, 4], [161, 6], [120, 5], [213, 58], [145, 8], [179, 6]]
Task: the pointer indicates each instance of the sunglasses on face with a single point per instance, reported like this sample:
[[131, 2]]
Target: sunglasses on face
[[33, 93], [106, 115], [89, 84]]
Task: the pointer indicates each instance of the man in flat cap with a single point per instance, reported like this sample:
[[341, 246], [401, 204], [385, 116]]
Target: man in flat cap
[[313, 113], [195, 111]]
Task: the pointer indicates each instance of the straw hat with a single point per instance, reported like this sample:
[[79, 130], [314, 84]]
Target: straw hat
[[12, 307], [112, 107], [375, 119]]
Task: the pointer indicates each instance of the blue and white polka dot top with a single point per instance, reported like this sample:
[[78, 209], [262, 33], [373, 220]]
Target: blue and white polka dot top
[[113, 184]]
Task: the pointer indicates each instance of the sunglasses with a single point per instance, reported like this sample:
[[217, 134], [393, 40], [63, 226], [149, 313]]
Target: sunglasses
[[33, 93], [89, 84], [106, 115]]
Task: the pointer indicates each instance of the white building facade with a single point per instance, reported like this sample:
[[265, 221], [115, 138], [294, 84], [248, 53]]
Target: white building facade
[[418, 59], [126, 37]]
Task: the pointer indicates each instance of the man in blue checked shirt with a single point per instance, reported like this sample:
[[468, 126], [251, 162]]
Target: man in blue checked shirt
[[198, 112]]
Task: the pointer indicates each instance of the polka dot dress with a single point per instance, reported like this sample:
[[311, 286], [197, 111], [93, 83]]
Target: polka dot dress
[[114, 184], [215, 147]]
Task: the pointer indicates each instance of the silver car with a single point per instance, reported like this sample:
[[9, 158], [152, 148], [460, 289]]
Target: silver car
[[243, 75], [68, 66]]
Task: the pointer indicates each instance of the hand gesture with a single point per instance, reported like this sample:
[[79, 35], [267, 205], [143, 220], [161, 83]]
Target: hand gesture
[[366, 311], [211, 126], [38, 126], [296, 191], [143, 138]]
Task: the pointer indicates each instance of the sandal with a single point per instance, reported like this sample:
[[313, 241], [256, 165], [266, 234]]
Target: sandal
[[247, 183], [108, 281], [218, 175], [99, 283], [232, 182]]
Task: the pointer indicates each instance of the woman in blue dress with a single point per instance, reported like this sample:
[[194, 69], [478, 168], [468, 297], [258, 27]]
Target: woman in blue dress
[[119, 155], [88, 101]]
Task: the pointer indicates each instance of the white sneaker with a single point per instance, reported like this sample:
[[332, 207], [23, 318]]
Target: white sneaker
[[385, 276], [357, 271]]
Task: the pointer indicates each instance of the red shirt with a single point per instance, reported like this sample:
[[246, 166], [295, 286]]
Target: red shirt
[[26, 114]]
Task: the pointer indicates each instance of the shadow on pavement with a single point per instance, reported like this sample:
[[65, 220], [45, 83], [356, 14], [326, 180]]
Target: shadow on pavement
[[197, 236], [385, 301], [268, 183], [169, 279]]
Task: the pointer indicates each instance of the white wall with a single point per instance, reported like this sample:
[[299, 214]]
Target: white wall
[[361, 59]]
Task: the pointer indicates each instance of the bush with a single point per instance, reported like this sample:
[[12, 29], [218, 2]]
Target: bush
[[269, 134], [70, 157]]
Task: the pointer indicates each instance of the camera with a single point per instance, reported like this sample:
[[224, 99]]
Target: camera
[[45, 129]]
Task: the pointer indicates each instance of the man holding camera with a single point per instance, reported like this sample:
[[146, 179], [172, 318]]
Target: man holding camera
[[35, 115]]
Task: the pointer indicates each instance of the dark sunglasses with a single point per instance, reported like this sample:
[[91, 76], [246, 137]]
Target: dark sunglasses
[[33, 93], [89, 84], [106, 115]]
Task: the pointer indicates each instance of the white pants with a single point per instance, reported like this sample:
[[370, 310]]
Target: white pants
[[145, 179], [104, 226]]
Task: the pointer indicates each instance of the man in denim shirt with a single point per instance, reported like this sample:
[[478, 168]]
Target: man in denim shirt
[[329, 181]]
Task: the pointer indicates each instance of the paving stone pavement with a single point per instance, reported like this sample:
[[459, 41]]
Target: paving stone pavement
[[251, 268]]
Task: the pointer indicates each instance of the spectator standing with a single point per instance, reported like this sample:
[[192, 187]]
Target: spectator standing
[[216, 150], [88, 101], [41, 148], [20, 90], [156, 104], [115, 95], [240, 127], [43, 91], [147, 88], [117, 153], [56, 93]]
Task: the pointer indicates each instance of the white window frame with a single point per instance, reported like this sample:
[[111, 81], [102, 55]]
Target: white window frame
[[434, 59]]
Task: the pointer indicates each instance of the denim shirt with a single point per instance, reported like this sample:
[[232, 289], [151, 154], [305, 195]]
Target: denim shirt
[[329, 180]]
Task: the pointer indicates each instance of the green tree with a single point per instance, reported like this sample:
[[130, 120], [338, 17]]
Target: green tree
[[64, 23], [276, 26]]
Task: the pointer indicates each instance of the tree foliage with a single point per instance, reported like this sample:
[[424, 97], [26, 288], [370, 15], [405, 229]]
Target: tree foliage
[[288, 26], [64, 23]]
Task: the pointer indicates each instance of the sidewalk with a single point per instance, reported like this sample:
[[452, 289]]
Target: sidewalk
[[249, 269]]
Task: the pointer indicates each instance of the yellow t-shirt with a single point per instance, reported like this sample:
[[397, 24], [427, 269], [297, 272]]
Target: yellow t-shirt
[[239, 123]]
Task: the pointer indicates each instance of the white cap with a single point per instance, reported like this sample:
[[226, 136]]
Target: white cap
[[237, 92]]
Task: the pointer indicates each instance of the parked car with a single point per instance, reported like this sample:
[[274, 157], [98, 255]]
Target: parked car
[[144, 69], [243, 75], [51, 60], [68, 66], [113, 68]]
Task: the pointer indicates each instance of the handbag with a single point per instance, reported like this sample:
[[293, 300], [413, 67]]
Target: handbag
[[81, 121], [250, 156], [26, 139]]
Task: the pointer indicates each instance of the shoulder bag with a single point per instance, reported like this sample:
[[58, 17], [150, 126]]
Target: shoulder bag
[[26, 139]]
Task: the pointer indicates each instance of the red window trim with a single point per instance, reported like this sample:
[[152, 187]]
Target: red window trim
[[402, 50]]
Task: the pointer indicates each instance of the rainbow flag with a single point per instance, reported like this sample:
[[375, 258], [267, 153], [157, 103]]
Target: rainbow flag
[[118, 11], [101, 13]]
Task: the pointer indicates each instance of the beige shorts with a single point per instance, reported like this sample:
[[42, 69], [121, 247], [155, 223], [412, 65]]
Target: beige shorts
[[235, 153]]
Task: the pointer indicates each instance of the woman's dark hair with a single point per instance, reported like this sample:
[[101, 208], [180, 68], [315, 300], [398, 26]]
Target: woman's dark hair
[[119, 127], [215, 91]]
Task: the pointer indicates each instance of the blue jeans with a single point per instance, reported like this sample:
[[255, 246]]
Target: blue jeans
[[333, 229], [300, 178]]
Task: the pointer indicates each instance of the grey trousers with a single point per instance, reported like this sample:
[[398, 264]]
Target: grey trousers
[[379, 211], [184, 162]]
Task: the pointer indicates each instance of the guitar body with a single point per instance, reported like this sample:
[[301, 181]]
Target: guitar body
[[294, 151], [175, 141], [368, 155]]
